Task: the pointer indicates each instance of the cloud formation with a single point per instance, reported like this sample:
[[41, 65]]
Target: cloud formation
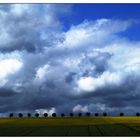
[[78, 108], [88, 67]]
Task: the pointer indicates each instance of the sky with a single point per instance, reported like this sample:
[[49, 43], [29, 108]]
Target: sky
[[69, 58]]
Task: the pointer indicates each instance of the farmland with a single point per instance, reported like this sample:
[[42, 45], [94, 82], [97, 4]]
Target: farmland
[[70, 126]]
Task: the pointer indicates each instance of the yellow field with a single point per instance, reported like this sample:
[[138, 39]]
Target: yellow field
[[70, 126], [71, 121]]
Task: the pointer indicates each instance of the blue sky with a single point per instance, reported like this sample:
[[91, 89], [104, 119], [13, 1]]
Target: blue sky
[[81, 12], [70, 58]]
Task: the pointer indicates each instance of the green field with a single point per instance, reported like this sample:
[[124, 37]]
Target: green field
[[67, 126]]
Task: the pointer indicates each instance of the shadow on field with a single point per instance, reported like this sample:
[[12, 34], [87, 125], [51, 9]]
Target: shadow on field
[[77, 130]]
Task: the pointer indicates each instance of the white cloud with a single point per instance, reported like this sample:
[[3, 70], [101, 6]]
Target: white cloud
[[42, 71], [79, 108], [93, 33], [89, 84], [48, 111], [76, 37], [9, 66]]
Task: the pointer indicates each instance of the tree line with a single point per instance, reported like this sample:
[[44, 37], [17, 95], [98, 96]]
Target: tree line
[[20, 115]]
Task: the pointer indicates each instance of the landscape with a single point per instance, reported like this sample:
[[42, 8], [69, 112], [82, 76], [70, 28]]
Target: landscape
[[69, 69], [71, 126]]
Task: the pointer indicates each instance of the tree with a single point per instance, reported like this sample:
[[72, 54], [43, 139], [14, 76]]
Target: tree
[[45, 114], [88, 114], [37, 115], [29, 115], [54, 114], [121, 114], [11, 115], [104, 114], [80, 114], [20, 115], [62, 115], [96, 114], [137, 114], [71, 114]]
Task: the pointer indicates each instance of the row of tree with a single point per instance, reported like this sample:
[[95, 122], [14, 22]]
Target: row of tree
[[63, 115]]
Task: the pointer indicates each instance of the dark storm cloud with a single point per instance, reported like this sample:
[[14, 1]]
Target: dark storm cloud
[[69, 77], [4, 92], [86, 68]]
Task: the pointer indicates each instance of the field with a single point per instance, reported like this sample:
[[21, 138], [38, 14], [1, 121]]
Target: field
[[70, 126]]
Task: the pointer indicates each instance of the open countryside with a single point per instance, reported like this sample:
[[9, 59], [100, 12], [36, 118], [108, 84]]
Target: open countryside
[[70, 126]]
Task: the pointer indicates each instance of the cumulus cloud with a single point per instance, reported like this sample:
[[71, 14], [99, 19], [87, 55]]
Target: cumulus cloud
[[9, 66], [88, 67], [36, 26], [79, 108], [89, 84], [92, 32]]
